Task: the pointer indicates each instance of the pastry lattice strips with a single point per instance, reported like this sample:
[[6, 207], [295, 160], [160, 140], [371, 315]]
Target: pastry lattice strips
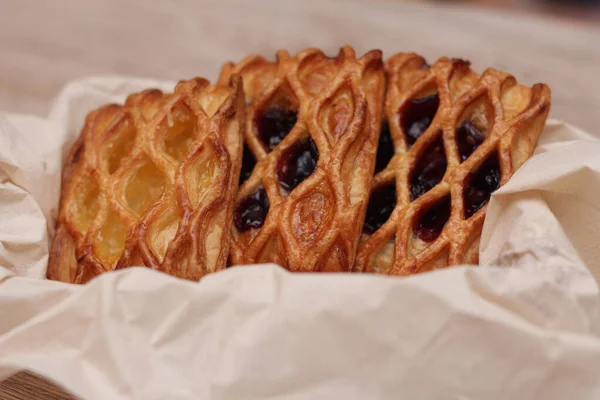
[[311, 162], [311, 133], [457, 137], [152, 182]]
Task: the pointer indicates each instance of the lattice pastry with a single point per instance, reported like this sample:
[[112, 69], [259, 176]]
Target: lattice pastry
[[450, 138], [311, 132], [152, 182]]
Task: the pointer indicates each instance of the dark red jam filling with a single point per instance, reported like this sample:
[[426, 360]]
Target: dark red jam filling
[[385, 148], [248, 163], [480, 185], [431, 222], [416, 116], [251, 211], [297, 163], [273, 125], [468, 139], [429, 171], [380, 207]]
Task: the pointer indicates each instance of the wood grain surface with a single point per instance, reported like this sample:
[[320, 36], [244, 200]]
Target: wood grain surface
[[26, 386], [44, 44]]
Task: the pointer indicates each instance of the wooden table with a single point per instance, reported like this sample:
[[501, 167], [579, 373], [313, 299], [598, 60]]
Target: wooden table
[[44, 44]]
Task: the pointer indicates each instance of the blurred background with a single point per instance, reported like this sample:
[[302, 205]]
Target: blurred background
[[584, 10], [46, 44]]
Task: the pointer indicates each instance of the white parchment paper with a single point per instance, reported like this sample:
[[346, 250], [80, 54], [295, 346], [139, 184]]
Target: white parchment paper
[[528, 328]]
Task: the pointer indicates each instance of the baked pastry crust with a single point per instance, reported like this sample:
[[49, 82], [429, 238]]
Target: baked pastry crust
[[152, 182], [482, 130], [155, 181], [336, 104]]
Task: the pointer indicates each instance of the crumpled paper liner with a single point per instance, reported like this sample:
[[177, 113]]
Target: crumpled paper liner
[[530, 332]]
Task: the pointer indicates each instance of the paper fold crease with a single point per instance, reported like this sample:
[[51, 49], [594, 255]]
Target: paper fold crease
[[526, 329]]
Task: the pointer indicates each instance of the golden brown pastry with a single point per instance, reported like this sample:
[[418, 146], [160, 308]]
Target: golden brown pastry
[[450, 138], [311, 133], [152, 183], [155, 181]]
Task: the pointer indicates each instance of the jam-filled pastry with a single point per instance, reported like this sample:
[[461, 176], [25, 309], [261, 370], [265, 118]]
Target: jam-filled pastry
[[152, 183], [311, 134], [449, 139]]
